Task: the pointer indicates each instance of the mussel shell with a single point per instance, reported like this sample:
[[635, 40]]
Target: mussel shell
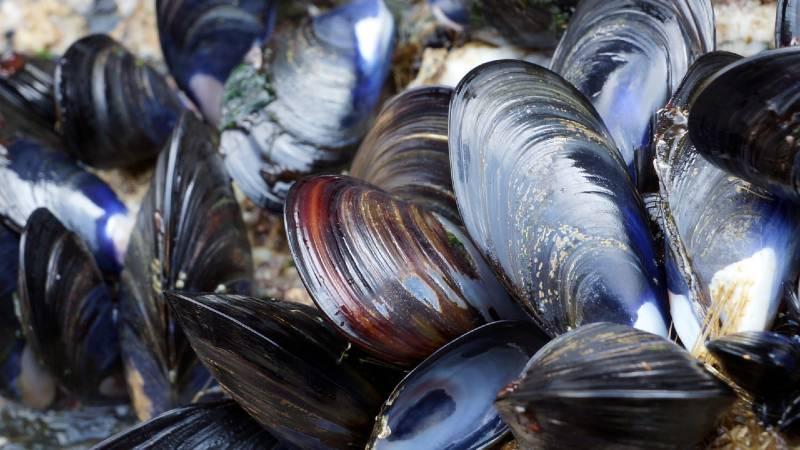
[[11, 342], [787, 23], [190, 236], [208, 426], [731, 244], [26, 89], [66, 310], [628, 56], [306, 107], [746, 120], [611, 386], [395, 279], [113, 110], [544, 194], [284, 366], [447, 401], [405, 152], [35, 176], [203, 40]]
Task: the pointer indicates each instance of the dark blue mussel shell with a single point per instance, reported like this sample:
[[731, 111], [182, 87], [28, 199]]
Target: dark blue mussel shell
[[189, 236], [219, 425], [447, 401], [34, 175], [286, 367], [627, 57], [731, 245], [67, 312], [305, 107], [113, 110], [26, 88], [11, 341], [204, 40], [746, 121], [787, 23], [544, 194]]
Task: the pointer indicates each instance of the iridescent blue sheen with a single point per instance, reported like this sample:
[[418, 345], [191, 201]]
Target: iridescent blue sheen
[[451, 10], [34, 176]]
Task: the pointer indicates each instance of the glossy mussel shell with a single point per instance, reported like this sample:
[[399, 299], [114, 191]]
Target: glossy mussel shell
[[787, 23], [26, 90], [447, 401], [11, 341], [405, 152], [189, 236], [544, 194], [397, 280], [66, 310], [609, 386], [113, 110], [284, 365], [747, 118]]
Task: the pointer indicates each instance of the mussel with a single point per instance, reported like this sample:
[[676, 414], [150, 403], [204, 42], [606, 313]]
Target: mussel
[[67, 312], [605, 386], [405, 152], [544, 194], [732, 245], [397, 280], [787, 23], [766, 365], [627, 57], [307, 105], [284, 366], [536, 24], [746, 121], [11, 341], [447, 401], [113, 110], [36, 176], [26, 89], [203, 40], [207, 426], [190, 236]]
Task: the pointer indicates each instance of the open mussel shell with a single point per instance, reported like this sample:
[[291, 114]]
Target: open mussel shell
[[284, 366], [397, 280], [206, 426], [765, 364], [447, 401], [628, 56], [305, 108], [26, 89], [606, 386], [787, 23], [36, 176], [203, 40], [405, 152], [746, 120], [732, 245], [67, 312], [544, 194], [190, 236], [113, 110]]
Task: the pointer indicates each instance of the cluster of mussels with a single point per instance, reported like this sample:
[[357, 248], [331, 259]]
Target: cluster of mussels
[[578, 256]]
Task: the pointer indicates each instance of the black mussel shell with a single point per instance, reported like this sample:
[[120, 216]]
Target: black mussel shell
[[208, 426], [113, 110], [766, 365], [26, 89], [203, 40], [605, 386], [405, 152], [307, 105], [447, 401], [545, 196], [67, 312], [284, 366], [395, 279], [628, 56], [34, 175], [787, 23], [731, 245], [11, 342], [189, 236], [747, 118]]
